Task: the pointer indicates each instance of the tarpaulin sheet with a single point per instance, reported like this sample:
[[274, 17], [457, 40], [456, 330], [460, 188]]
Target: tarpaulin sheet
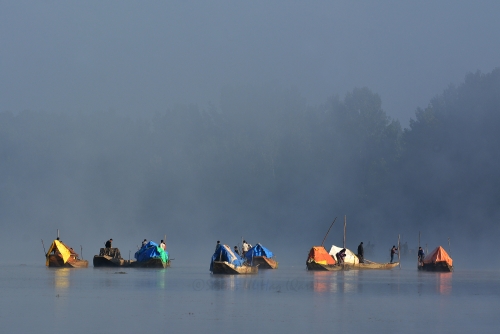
[[438, 255], [319, 255], [258, 250], [225, 253], [151, 250], [61, 248], [350, 257]]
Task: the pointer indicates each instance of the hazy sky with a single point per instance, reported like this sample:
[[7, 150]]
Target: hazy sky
[[138, 57]]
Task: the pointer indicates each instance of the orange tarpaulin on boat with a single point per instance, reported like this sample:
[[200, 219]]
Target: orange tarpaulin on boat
[[320, 255], [438, 255]]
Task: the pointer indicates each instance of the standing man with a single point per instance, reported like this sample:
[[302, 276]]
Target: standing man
[[236, 250], [245, 248], [162, 245], [394, 250], [144, 243], [217, 245], [361, 253], [421, 256], [108, 243]]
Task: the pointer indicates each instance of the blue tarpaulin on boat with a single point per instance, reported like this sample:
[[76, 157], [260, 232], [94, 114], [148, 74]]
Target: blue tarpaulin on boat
[[258, 250], [151, 250], [225, 253]]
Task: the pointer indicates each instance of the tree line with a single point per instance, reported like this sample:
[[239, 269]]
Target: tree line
[[262, 156]]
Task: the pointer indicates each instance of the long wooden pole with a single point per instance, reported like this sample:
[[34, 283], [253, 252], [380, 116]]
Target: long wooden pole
[[399, 251], [44, 249], [418, 259], [345, 219], [323, 238]]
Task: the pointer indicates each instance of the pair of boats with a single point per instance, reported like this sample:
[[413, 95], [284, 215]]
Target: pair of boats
[[320, 260], [226, 261], [150, 255]]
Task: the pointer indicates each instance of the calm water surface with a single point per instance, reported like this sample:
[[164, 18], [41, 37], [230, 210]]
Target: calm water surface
[[36, 299]]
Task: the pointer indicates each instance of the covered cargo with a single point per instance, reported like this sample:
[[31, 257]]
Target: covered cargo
[[319, 255], [258, 250], [151, 250], [350, 257], [438, 255], [225, 253]]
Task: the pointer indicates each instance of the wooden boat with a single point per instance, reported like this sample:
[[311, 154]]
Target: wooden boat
[[320, 260], [264, 262], [226, 261], [151, 263], [151, 255], [60, 255], [437, 260], [224, 267], [110, 257], [347, 266], [259, 255]]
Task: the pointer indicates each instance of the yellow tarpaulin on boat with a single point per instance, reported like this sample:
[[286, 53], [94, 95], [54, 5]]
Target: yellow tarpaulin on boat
[[59, 246]]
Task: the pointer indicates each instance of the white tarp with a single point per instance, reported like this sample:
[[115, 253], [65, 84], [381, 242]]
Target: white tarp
[[350, 257]]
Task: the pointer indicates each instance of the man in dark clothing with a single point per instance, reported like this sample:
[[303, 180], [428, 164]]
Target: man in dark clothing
[[361, 253], [236, 250], [394, 250], [217, 245], [108, 243], [421, 256]]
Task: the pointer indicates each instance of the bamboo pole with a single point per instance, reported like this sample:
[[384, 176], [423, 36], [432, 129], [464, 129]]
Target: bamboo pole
[[44, 248], [399, 251], [328, 231], [345, 220], [418, 259]]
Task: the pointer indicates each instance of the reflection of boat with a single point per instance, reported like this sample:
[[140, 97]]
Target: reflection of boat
[[225, 261], [260, 256], [151, 256], [437, 260], [60, 255], [110, 257]]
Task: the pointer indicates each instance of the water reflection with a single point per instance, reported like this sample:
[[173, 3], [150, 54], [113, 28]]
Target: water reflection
[[342, 281], [160, 279], [444, 283], [61, 279], [61, 284]]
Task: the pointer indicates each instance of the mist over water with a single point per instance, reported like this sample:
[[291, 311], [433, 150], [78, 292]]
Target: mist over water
[[259, 121]]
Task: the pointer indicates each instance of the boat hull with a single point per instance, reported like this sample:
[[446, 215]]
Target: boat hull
[[264, 262], [56, 261], [108, 261], [223, 267], [314, 266], [440, 266], [151, 263]]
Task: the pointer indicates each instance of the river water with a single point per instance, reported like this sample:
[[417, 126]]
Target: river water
[[36, 299]]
